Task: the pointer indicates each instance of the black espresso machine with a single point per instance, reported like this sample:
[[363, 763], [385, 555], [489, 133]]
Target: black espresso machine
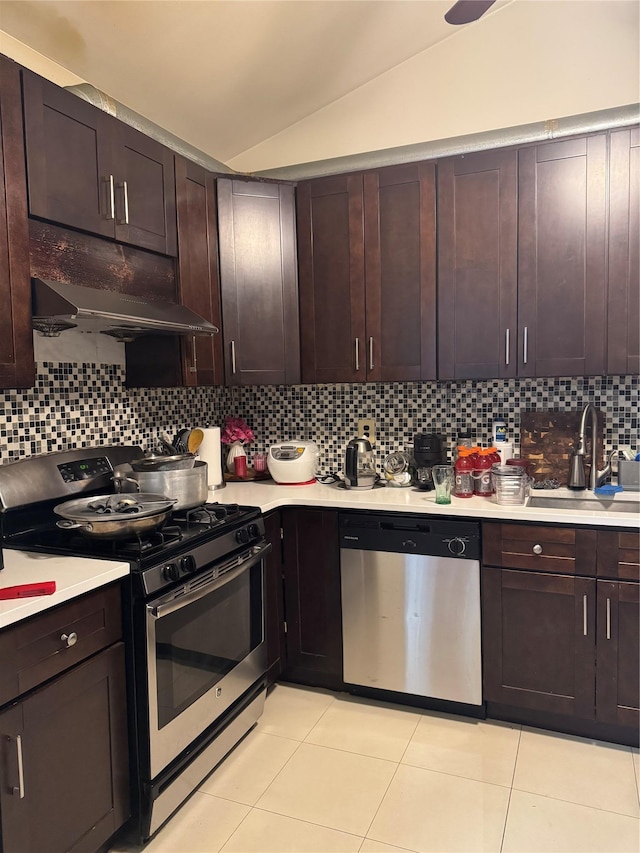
[[429, 449]]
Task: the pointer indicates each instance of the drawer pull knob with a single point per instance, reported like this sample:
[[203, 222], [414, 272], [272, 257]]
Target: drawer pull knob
[[537, 549], [69, 639]]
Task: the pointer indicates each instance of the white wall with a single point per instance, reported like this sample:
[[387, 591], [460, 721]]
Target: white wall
[[572, 57]]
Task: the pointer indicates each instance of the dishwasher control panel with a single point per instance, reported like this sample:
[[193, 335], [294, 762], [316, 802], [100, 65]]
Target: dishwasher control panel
[[410, 534]]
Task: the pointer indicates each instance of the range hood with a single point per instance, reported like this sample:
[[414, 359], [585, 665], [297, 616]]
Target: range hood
[[58, 306]]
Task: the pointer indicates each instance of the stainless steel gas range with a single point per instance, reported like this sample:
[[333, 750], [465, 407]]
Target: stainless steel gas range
[[194, 619]]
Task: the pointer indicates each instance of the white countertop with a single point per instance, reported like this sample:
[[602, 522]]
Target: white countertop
[[73, 576], [268, 496], [77, 575]]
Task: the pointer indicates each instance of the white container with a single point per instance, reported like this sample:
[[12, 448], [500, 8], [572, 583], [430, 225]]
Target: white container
[[499, 432], [505, 451]]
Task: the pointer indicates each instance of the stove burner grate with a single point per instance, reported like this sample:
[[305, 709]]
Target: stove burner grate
[[210, 514]]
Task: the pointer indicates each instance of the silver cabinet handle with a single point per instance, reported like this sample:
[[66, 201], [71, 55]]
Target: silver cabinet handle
[[233, 357], [194, 365], [357, 354], [537, 549], [608, 618], [525, 345], [584, 614], [19, 789], [371, 353], [506, 347], [126, 202], [69, 639], [111, 212]]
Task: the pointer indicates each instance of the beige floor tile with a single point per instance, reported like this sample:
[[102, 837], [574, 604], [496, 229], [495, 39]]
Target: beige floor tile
[[368, 728], [475, 749], [246, 774], [293, 711], [589, 773], [265, 832], [542, 825], [434, 812], [636, 766], [202, 825], [329, 787], [371, 846]]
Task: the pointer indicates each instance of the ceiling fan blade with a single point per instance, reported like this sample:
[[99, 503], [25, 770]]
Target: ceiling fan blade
[[466, 11]]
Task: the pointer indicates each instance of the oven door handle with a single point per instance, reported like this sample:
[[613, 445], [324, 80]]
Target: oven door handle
[[160, 610]]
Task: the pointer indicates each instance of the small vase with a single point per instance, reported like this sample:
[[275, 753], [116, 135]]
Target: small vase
[[235, 449]]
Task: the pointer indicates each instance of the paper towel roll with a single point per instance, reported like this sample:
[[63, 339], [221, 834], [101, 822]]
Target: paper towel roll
[[210, 451]]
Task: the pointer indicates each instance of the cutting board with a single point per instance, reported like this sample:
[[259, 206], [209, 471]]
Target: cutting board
[[547, 440]]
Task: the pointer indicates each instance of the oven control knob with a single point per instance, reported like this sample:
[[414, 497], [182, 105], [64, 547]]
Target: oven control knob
[[187, 564], [242, 536], [254, 531], [170, 572]]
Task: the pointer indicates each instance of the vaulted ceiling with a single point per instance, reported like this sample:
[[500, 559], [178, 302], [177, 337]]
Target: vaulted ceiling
[[228, 75]]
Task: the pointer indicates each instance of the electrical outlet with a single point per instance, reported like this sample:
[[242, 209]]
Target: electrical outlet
[[367, 429]]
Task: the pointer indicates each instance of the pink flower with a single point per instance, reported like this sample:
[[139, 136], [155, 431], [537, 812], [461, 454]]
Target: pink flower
[[235, 429]]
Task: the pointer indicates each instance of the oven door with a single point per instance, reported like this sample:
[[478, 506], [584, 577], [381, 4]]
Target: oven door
[[205, 649]]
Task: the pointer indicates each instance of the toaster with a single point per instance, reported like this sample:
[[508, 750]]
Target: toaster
[[293, 463]]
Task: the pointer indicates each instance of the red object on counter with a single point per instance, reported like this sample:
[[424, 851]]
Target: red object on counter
[[28, 590], [463, 473], [240, 466]]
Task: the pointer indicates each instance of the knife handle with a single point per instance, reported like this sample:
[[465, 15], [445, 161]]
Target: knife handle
[[28, 590]]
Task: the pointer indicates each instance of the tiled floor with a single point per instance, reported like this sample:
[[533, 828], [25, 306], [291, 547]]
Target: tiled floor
[[327, 772]]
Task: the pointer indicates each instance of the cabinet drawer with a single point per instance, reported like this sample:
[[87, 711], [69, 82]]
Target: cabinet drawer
[[563, 550], [619, 554], [37, 649]]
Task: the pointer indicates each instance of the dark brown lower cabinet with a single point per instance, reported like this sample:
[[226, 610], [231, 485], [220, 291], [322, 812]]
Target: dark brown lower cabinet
[[274, 596], [312, 597], [539, 641], [618, 654], [64, 765]]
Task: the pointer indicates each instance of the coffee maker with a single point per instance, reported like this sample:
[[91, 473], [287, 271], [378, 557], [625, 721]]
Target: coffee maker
[[359, 470], [429, 449]]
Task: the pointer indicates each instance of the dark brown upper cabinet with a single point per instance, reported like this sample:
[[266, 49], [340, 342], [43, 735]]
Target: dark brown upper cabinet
[[366, 247], [199, 280], [623, 355], [87, 170], [17, 368], [562, 253], [477, 265], [259, 283]]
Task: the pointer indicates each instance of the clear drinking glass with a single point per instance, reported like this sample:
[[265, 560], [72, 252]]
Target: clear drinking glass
[[260, 461], [443, 482]]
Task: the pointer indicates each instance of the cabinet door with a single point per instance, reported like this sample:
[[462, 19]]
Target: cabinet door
[[258, 279], [274, 616], [331, 269], [477, 265], [312, 597], [69, 159], [539, 641], [623, 344], [400, 227], [618, 655], [562, 258], [145, 193], [199, 285], [17, 368], [65, 784]]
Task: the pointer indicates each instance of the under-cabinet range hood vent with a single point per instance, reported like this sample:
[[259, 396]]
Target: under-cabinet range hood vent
[[58, 306]]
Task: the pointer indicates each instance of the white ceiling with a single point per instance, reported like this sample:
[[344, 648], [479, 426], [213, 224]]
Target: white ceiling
[[228, 75]]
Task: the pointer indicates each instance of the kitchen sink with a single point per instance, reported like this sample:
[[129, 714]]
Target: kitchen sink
[[590, 503]]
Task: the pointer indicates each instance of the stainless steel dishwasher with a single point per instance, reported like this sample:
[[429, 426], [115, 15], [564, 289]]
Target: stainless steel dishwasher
[[411, 605]]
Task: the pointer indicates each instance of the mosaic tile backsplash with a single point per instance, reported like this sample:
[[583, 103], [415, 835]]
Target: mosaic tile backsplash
[[74, 405]]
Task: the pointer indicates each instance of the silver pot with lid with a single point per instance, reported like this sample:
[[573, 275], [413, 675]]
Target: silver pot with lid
[[187, 487]]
